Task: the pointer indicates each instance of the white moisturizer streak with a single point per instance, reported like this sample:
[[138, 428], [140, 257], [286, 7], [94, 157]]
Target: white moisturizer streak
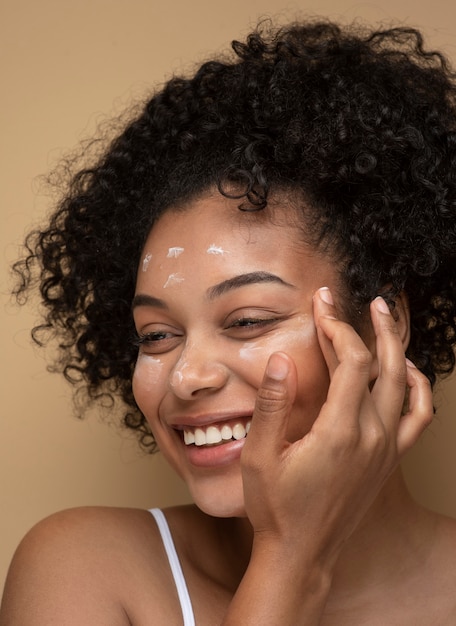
[[173, 279], [174, 252], [148, 370], [213, 249], [146, 261], [288, 339]]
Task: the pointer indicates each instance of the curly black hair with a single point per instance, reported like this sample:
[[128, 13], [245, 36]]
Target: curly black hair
[[359, 124]]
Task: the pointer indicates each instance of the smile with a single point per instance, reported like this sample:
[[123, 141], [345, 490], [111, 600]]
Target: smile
[[215, 435]]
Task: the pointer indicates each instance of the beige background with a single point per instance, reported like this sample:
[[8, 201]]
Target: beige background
[[64, 66]]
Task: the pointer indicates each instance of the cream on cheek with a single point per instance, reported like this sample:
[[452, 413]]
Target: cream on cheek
[[147, 374], [286, 340]]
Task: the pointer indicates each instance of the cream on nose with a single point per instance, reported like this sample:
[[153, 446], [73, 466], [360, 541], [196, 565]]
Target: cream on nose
[[176, 378], [196, 372]]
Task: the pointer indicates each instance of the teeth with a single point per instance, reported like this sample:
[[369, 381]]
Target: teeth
[[189, 437], [238, 431], [214, 435], [200, 437]]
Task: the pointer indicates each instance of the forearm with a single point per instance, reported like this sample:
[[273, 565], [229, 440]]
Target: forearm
[[279, 587]]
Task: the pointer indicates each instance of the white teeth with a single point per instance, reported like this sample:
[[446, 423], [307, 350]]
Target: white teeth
[[189, 437], [227, 433], [238, 431], [200, 437], [214, 435]]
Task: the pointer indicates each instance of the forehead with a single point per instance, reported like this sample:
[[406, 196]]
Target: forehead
[[215, 219], [209, 240]]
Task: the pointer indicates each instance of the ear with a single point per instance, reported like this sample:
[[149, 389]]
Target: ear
[[400, 311]]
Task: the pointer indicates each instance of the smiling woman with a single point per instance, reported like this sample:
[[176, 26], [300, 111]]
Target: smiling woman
[[262, 266], [208, 337]]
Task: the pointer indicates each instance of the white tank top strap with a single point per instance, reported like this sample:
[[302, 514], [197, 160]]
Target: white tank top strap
[[174, 563]]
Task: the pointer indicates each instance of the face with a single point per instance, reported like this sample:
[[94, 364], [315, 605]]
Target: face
[[218, 291]]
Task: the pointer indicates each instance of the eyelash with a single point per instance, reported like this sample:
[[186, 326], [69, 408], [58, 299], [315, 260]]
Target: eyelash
[[148, 338], [246, 322], [157, 338]]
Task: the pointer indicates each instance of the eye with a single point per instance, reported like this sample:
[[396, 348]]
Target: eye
[[157, 341], [251, 326], [243, 322]]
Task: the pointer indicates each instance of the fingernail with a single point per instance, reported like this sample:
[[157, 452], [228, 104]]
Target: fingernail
[[410, 363], [277, 367], [326, 295], [381, 305]]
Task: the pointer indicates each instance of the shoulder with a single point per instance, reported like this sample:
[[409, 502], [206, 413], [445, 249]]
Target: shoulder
[[108, 556], [86, 533]]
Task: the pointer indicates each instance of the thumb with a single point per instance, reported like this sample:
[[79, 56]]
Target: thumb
[[274, 401]]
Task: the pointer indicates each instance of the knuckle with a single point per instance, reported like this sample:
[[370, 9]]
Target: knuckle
[[361, 358], [378, 439], [343, 441], [271, 401]]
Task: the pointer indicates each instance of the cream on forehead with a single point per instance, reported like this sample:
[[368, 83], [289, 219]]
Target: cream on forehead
[[174, 252], [174, 279], [213, 249], [146, 261]]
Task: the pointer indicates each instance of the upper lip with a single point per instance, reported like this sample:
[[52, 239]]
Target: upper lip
[[194, 421]]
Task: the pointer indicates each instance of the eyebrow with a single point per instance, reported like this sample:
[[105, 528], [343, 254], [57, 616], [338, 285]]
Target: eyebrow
[[217, 290], [244, 279], [141, 299]]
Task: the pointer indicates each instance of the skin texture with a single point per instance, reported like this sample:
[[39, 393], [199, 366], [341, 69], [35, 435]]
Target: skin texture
[[307, 520], [207, 365]]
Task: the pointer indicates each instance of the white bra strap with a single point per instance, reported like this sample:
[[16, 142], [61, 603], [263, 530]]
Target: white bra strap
[[181, 586]]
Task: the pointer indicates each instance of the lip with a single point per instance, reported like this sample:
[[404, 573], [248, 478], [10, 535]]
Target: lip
[[214, 456], [201, 421]]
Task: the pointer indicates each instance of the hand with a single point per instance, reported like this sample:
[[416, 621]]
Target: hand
[[311, 494]]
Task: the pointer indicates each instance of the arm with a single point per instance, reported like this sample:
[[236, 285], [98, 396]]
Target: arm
[[305, 499], [58, 575]]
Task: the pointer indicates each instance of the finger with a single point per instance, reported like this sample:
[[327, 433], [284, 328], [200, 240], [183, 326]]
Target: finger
[[273, 406], [323, 307], [348, 360], [420, 410], [389, 389]]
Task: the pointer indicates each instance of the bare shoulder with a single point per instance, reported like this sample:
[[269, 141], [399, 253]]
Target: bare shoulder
[[111, 557]]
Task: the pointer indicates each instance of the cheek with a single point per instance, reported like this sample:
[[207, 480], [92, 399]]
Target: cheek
[[148, 379], [299, 342]]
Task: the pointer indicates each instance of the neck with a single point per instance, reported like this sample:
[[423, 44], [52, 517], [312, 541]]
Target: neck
[[387, 545], [393, 536]]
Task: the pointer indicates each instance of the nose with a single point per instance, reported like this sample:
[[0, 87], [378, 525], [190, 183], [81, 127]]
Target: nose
[[197, 372]]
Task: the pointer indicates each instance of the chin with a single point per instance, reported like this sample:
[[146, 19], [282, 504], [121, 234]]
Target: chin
[[224, 500]]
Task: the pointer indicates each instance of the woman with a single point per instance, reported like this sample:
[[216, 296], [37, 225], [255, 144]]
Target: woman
[[262, 267]]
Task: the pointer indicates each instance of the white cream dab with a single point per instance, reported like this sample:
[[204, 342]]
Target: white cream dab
[[173, 279], [176, 379], [148, 371], [282, 340], [174, 252], [146, 261], [213, 249]]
